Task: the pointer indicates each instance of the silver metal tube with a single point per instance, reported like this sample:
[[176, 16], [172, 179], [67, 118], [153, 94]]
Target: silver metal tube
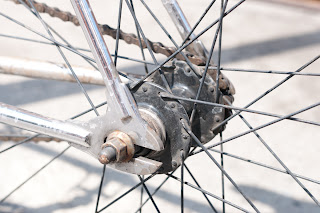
[[178, 18], [116, 93], [24, 119], [120, 101], [183, 26], [45, 70], [50, 71]]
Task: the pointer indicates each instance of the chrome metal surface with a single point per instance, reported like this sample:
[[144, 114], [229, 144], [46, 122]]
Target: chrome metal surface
[[178, 17], [101, 128], [116, 91], [121, 105], [64, 130], [183, 26], [140, 166]]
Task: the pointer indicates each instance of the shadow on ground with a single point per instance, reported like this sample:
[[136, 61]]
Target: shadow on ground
[[91, 195], [278, 202], [17, 94]]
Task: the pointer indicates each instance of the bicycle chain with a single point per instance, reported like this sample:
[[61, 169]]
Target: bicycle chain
[[225, 84], [129, 38]]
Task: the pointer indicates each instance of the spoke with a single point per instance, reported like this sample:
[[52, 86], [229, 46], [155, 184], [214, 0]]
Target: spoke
[[64, 58], [133, 59], [239, 109], [270, 150], [127, 192], [52, 40], [182, 181], [76, 48], [31, 40], [34, 12], [34, 136], [198, 22], [219, 50], [196, 182], [100, 187], [57, 43], [19, 143], [221, 169], [281, 162], [34, 174], [140, 30], [148, 47], [191, 152], [168, 35], [185, 45], [140, 42], [155, 191], [262, 126], [89, 110], [207, 193], [268, 91], [141, 196], [222, 175], [264, 165], [148, 192], [208, 63], [266, 71], [118, 33], [69, 45]]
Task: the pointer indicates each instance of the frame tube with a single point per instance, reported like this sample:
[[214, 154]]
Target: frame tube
[[24, 119]]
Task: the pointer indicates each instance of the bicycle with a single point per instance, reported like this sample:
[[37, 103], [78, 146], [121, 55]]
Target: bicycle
[[175, 116]]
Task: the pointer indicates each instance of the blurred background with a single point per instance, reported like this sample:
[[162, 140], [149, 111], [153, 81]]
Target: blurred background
[[280, 35]]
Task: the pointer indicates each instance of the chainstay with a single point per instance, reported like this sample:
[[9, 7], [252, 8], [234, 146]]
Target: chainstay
[[129, 38]]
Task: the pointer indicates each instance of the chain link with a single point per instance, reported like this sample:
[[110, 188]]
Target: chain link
[[225, 85], [129, 38]]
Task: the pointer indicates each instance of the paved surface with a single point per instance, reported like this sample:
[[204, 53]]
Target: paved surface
[[258, 35]]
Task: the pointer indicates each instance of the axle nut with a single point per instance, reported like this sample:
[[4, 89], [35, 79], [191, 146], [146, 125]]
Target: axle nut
[[117, 148]]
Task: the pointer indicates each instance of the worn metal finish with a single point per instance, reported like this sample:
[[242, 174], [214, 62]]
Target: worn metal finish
[[170, 112], [122, 144], [185, 83], [65, 130], [178, 17], [105, 29], [184, 28], [153, 121], [145, 146], [50, 71], [139, 165], [120, 102], [107, 155], [122, 113], [116, 91]]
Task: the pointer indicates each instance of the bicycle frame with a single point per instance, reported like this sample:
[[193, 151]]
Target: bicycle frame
[[122, 113], [183, 27]]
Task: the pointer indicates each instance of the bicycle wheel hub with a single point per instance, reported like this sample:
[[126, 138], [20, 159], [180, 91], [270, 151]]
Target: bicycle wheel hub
[[165, 114]]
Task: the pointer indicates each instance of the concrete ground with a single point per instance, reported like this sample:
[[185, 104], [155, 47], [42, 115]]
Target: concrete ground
[[258, 35]]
